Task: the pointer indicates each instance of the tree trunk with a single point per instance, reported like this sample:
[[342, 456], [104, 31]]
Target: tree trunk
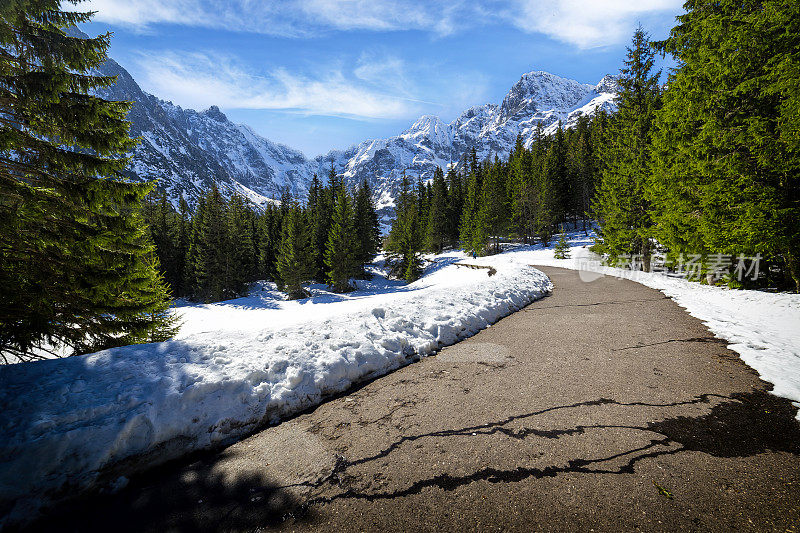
[[646, 250], [793, 265]]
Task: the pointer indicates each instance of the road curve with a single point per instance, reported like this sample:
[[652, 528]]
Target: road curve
[[603, 407]]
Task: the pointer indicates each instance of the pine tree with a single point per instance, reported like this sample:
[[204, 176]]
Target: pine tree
[[212, 265], [726, 173], [340, 247], [586, 168], [545, 214], [405, 241], [77, 268], [269, 237], [558, 178], [455, 205], [473, 231], [366, 228], [562, 246], [319, 213], [493, 212], [181, 287], [621, 204], [436, 232], [240, 241], [294, 260]]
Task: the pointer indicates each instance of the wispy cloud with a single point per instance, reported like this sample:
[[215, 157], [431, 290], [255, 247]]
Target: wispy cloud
[[586, 23], [582, 23], [199, 80]]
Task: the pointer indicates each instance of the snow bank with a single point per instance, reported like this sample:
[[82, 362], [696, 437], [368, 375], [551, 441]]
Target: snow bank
[[762, 327], [69, 424]]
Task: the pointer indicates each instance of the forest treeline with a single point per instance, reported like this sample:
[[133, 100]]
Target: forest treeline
[[215, 251], [524, 197], [703, 168], [705, 165]]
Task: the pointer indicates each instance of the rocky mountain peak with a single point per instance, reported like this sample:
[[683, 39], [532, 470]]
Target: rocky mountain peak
[[539, 91], [189, 151], [608, 84], [213, 112]]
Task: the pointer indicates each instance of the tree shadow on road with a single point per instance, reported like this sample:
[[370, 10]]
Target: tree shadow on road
[[199, 498], [751, 423], [178, 497], [741, 425]]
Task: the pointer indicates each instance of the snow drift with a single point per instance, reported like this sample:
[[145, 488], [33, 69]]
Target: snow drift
[[70, 424]]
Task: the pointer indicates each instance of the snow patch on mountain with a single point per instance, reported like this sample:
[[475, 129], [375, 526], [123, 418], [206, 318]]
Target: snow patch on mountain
[[188, 151], [537, 98]]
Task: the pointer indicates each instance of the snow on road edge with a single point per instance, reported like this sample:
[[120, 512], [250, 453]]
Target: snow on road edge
[[67, 422], [762, 327]]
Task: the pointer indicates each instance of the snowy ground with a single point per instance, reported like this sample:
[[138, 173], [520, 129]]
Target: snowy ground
[[235, 366], [239, 364], [762, 327]]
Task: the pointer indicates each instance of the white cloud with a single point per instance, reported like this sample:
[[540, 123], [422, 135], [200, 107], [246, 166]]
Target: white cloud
[[291, 18], [582, 23], [586, 23], [386, 71], [198, 80]]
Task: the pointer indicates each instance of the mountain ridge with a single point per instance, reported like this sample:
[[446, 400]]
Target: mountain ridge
[[188, 151]]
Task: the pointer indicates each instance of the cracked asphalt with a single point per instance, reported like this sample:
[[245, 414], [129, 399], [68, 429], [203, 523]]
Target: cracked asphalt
[[603, 407]]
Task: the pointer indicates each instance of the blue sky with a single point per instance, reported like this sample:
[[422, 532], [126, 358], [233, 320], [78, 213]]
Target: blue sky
[[324, 74]]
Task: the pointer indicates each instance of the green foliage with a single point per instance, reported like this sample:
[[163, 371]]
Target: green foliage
[[727, 147], [366, 228], [436, 232], [621, 205], [226, 245], [320, 210], [77, 267], [340, 249], [211, 256], [405, 242], [295, 260], [493, 215], [562, 246], [241, 255]]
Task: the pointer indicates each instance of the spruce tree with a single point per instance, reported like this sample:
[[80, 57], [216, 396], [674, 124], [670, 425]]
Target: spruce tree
[[211, 254], [546, 196], [726, 174], [562, 246], [558, 178], [621, 204], [181, 287], [294, 260], [240, 240], [266, 244], [77, 268], [436, 232], [366, 228], [493, 212], [406, 239], [455, 204], [341, 246], [584, 154], [319, 213], [473, 232]]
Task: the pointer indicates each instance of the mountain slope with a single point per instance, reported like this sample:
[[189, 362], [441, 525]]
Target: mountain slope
[[188, 151], [538, 97]]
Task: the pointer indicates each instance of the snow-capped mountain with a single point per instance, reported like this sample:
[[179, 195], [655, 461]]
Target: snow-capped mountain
[[187, 151], [538, 97]]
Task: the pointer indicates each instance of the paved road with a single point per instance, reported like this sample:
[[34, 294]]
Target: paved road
[[602, 407]]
